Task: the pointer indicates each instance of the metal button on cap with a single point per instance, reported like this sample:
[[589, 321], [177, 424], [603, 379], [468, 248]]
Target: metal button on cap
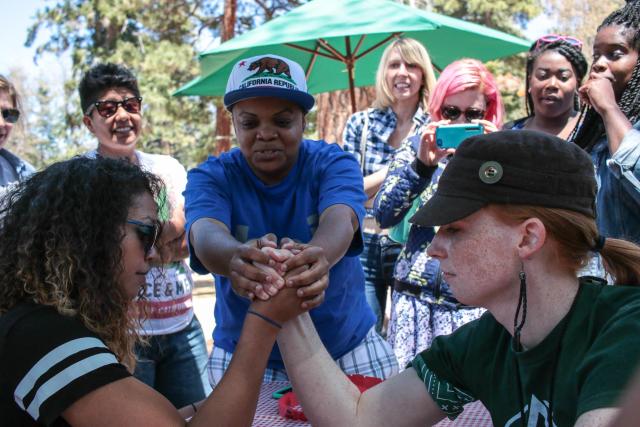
[[490, 172]]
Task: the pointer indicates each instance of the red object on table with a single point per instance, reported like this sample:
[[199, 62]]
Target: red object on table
[[289, 407], [474, 414]]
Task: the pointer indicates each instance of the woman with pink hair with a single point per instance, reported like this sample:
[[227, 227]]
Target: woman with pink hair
[[423, 305]]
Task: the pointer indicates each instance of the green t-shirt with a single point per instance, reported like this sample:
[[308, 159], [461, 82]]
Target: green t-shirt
[[598, 354]]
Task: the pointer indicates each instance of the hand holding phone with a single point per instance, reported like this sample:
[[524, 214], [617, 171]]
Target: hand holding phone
[[450, 136]]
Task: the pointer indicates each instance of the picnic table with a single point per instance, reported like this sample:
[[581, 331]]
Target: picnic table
[[474, 415]]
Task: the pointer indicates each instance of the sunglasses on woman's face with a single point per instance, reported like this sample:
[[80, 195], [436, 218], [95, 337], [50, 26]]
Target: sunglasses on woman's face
[[108, 108], [451, 112], [550, 38], [10, 115], [147, 233]]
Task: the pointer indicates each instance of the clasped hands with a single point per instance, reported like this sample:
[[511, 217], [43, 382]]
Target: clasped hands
[[261, 269]]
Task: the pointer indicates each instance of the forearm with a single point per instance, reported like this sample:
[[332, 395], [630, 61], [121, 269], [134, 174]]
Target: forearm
[[373, 182], [213, 245], [310, 368], [234, 400], [336, 228], [616, 125], [174, 236]]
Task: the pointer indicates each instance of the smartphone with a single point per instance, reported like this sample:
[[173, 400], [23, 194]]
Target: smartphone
[[450, 136]]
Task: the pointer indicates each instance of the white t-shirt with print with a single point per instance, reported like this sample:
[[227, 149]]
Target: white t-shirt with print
[[168, 303]]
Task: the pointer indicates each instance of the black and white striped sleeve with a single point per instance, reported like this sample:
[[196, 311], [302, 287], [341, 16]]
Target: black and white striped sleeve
[[56, 361]]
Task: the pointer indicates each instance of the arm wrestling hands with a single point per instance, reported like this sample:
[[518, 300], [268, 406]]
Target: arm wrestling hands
[[260, 269]]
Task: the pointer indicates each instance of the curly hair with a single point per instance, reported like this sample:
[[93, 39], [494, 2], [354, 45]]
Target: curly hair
[[571, 53], [591, 127], [60, 244], [102, 77]]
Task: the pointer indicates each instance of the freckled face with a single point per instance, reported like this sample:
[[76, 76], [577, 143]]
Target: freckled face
[[477, 256]]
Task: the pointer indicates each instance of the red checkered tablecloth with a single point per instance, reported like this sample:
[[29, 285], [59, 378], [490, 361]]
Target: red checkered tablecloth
[[474, 415]]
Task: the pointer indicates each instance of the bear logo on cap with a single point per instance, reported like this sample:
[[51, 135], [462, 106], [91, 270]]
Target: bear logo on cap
[[273, 65]]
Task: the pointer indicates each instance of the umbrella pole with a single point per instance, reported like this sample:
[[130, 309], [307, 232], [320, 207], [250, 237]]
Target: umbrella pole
[[349, 62]]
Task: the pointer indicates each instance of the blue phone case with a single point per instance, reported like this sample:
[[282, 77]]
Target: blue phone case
[[450, 136]]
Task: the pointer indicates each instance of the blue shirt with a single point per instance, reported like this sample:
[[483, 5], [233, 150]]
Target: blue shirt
[[226, 189], [618, 176]]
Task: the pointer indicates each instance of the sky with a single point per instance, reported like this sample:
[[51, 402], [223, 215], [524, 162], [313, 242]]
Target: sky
[[18, 16]]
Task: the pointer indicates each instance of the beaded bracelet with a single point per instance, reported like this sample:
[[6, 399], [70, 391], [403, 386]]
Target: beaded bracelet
[[265, 318]]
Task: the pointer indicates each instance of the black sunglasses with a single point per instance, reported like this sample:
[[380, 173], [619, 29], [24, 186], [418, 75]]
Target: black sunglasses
[[108, 108], [451, 112], [10, 115], [147, 233]]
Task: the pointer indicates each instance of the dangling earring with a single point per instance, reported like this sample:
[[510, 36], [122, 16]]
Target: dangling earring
[[522, 304]]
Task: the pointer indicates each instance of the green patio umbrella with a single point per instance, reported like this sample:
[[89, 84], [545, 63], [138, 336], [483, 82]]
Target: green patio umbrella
[[339, 43]]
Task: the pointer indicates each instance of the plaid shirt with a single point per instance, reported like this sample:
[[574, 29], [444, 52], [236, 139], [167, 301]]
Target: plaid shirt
[[382, 123]]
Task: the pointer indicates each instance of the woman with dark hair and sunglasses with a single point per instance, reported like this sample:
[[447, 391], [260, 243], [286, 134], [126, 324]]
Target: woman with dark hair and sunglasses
[[610, 122], [12, 167], [554, 71], [173, 360], [423, 306], [76, 241]]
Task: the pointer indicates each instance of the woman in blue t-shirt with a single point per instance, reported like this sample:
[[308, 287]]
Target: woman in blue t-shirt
[[292, 205]]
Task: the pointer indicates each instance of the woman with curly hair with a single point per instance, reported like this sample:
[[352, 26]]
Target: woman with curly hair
[[174, 357], [75, 245]]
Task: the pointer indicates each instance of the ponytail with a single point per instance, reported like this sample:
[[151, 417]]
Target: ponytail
[[577, 235]]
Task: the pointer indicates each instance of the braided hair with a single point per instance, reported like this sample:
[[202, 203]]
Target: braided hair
[[590, 125], [571, 53]]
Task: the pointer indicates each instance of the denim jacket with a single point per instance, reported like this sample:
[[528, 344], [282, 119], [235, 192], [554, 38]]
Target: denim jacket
[[399, 189], [618, 177]]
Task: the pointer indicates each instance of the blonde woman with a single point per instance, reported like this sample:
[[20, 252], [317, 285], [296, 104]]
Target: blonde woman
[[404, 81]]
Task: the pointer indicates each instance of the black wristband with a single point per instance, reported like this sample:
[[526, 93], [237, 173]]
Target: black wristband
[[424, 171], [265, 318]]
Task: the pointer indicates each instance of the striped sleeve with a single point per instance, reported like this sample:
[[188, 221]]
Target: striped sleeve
[[57, 361], [448, 397]]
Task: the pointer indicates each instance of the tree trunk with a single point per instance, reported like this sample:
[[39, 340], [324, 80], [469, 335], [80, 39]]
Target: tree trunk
[[223, 120], [334, 109]]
